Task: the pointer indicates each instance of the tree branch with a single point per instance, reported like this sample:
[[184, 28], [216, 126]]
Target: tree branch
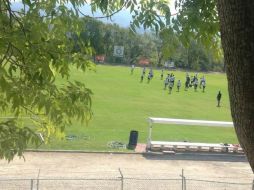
[[20, 52], [29, 110], [101, 17], [5, 55], [8, 7]]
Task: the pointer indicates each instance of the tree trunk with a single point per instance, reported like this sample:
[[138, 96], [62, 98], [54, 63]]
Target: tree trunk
[[237, 35]]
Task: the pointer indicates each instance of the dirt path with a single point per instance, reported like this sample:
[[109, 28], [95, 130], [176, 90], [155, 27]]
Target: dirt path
[[64, 165], [92, 171]]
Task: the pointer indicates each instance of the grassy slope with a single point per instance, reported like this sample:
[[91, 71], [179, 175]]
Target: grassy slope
[[121, 104]]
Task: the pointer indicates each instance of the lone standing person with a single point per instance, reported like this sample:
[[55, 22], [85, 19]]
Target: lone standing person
[[219, 98]]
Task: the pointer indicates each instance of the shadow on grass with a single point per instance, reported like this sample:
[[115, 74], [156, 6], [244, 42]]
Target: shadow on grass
[[197, 156]]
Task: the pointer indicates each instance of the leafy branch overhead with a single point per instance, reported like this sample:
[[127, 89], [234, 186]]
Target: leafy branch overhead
[[43, 41], [14, 139], [199, 20], [37, 46]]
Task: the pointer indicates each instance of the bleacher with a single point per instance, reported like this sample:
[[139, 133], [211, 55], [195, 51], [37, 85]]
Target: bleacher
[[168, 146], [194, 147]]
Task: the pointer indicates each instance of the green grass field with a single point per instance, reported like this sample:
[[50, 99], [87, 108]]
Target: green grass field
[[121, 104]]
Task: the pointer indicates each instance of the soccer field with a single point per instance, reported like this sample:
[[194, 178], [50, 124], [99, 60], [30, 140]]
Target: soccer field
[[121, 104]]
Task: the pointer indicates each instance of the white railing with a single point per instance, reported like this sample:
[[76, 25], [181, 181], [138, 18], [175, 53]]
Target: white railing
[[172, 121]]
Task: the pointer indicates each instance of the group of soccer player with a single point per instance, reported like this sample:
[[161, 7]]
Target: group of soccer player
[[169, 82], [149, 77], [191, 81]]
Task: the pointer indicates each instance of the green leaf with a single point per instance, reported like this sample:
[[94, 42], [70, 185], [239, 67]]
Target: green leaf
[[27, 2]]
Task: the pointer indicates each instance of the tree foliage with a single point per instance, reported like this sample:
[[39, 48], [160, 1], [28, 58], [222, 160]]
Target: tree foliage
[[37, 45], [45, 39], [232, 23], [196, 57], [35, 49], [157, 47], [103, 37], [198, 20]]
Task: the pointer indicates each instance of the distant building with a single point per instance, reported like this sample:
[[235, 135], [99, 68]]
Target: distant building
[[144, 61], [100, 58], [169, 64]]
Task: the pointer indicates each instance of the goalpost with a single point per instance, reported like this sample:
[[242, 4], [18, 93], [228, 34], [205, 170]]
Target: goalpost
[[171, 121]]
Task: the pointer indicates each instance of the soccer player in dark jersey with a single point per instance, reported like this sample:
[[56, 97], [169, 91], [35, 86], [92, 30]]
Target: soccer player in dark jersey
[[219, 98]]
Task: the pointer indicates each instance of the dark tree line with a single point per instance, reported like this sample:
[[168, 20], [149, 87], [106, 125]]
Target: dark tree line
[[159, 48]]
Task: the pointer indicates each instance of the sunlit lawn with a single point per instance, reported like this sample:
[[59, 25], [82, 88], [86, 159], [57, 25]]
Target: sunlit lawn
[[121, 104]]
